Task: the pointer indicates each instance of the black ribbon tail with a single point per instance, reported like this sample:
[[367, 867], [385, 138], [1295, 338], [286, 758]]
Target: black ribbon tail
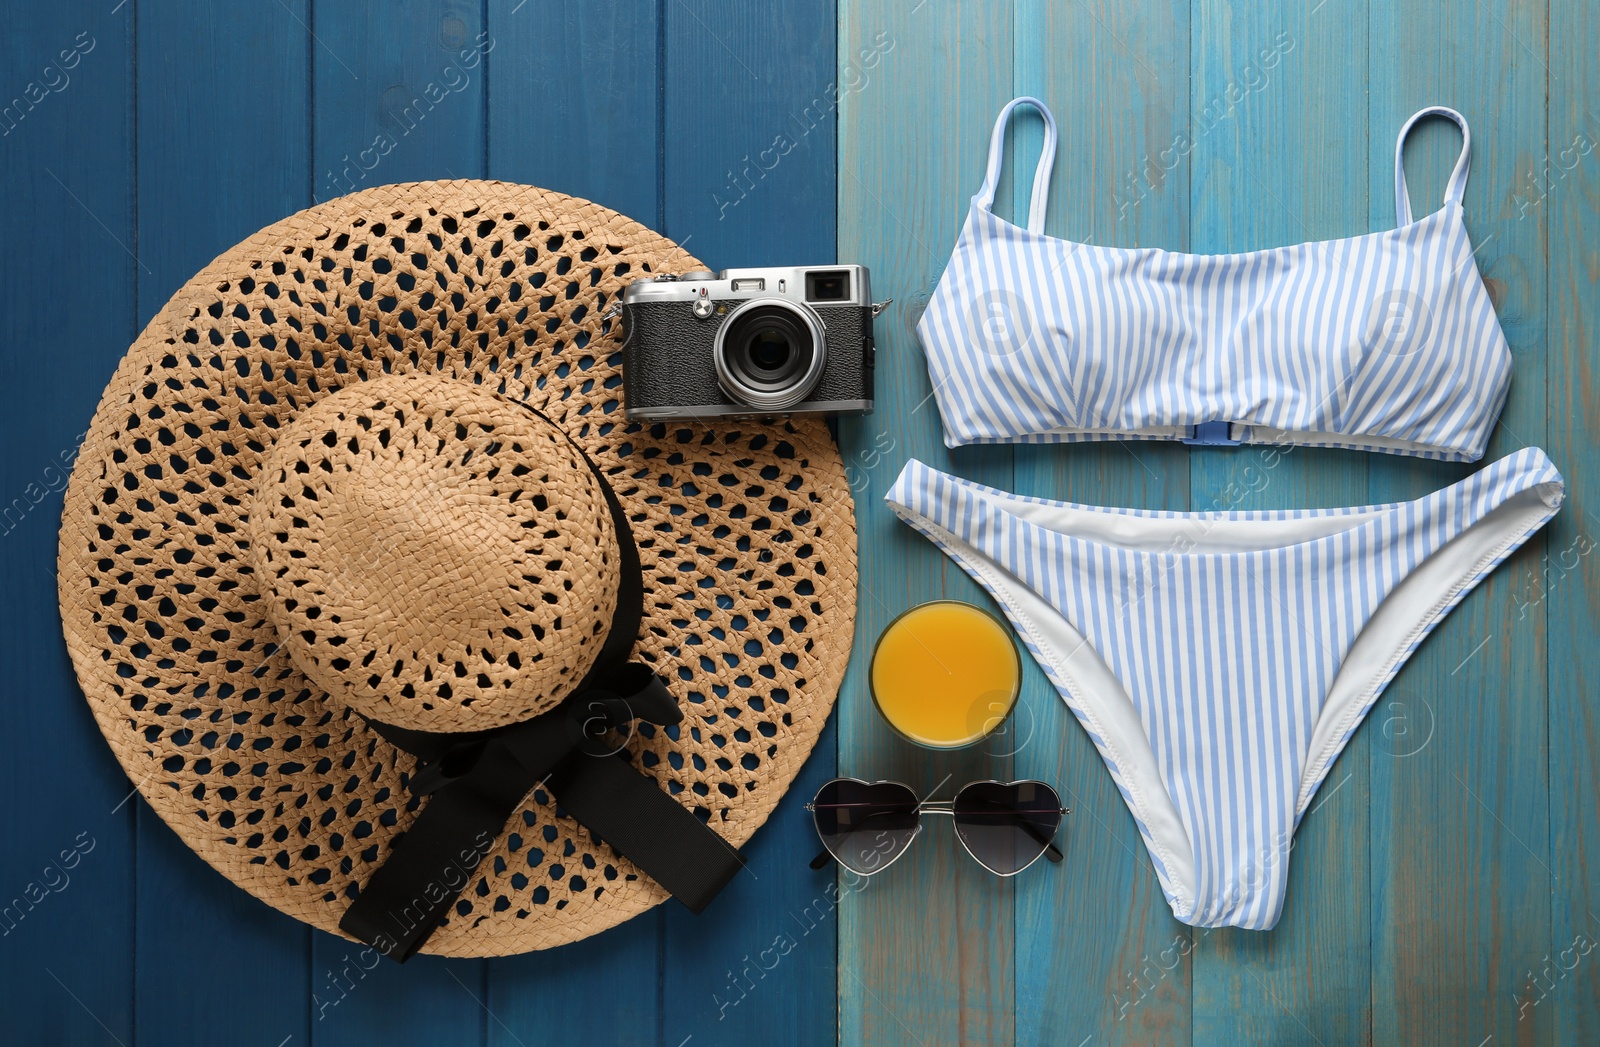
[[476, 787], [646, 826], [407, 896]]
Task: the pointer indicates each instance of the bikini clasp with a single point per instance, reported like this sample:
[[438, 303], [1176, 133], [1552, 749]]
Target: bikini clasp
[[1211, 434]]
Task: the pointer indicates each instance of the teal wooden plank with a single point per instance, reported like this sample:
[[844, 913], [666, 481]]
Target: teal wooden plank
[[400, 88], [202, 129], [926, 952], [1563, 190], [399, 93], [1098, 950], [1280, 157], [67, 313], [572, 107], [574, 101], [1460, 833], [736, 75]]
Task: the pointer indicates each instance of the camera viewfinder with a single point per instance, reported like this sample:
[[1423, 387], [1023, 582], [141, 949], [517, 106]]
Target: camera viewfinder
[[828, 286]]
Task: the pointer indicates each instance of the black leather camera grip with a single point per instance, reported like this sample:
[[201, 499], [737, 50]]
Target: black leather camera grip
[[666, 357]]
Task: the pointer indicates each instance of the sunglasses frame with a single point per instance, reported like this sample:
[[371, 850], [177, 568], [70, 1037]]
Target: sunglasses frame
[[940, 807]]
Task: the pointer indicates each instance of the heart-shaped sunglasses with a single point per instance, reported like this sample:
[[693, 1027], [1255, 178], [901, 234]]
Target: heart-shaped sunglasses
[[1005, 826]]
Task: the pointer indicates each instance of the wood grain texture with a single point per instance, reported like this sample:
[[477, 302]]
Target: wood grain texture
[[599, 63], [1461, 879], [200, 124], [574, 101], [399, 94], [66, 167], [750, 128], [738, 81], [926, 947], [1098, 951], [1280, 158], [569, 84], [1447, 891], [1563, 188]]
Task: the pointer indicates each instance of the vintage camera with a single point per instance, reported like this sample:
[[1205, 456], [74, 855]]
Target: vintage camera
[[748, 342]]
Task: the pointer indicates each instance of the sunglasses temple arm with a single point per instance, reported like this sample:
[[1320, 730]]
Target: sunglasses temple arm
[[1050, 850]]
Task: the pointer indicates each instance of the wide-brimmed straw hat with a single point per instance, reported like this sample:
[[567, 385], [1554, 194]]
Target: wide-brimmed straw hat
[[359, 533]]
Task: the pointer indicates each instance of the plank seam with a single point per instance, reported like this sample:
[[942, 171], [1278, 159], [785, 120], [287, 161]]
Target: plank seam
[[133, 201], [661, 115], [311, 112], [1544, 539], [483, 23]]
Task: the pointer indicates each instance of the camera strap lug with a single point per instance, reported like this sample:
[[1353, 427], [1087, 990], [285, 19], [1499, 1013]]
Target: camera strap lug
[[878, 307]]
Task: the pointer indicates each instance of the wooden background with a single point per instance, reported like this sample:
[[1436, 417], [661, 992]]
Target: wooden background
[[1446, 888]]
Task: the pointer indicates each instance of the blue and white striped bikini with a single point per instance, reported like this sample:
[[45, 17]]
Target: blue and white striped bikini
[[1220, 661], [1382, 342]]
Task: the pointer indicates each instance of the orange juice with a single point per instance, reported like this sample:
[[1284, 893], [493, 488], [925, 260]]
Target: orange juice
[[945, 674]]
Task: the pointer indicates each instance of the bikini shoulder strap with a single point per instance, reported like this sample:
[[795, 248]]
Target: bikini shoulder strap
[[1457, 185], [1041, 174]]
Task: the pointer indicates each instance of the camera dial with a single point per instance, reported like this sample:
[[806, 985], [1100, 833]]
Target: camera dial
[[770, 353]]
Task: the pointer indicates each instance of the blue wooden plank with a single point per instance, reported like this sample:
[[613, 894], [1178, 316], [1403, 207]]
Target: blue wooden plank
[[1279, 157], [67, 313], [749, 129], [202, 130], [572, 107], [1460, 831], [604, 989], [926, 950], [398, 95], [1563, 189], [736, 77], [574, 101], [1116, 79]]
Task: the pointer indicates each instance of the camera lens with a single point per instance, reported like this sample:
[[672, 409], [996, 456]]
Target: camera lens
[[769, 349], [769, 354]]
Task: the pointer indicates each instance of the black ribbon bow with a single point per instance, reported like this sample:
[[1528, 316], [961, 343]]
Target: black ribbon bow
[[475, 786], [476, 782]]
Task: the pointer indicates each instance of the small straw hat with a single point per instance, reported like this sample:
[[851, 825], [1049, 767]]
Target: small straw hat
[[359, 516]]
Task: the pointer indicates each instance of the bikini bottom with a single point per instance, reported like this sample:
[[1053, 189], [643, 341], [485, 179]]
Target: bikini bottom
[[1220, 661]]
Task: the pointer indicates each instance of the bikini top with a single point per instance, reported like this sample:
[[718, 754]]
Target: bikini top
[[1382, 342]]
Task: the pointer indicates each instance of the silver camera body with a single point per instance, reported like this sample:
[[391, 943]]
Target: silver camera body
[[748, 342]]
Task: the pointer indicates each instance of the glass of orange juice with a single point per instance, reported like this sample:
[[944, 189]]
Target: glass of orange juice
[[945, 674]]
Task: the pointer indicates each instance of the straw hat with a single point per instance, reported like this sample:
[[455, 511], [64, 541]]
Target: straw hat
[[366, 479]]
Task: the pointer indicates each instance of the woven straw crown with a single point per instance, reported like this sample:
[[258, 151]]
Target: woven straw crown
[[239, 592], [414, 492]]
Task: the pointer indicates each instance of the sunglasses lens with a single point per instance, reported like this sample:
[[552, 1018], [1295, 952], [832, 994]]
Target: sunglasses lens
[[865, 826], [1007, 827]]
